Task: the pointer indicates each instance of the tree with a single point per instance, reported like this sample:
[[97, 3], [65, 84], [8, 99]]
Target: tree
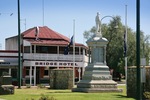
[[88, 34], [115, 46], [145, 49], [115, 36]]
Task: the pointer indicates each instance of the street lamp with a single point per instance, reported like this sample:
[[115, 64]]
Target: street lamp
[[138, 50], [10, 14], [7, 13], [19, 51]]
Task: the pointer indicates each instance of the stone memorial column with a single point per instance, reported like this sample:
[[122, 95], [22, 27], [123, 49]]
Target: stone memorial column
[[97, 76]]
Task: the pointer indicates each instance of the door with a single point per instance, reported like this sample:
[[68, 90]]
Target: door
[[38, 75]]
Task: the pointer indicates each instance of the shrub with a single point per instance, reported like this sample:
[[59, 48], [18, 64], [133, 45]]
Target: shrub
[[44, 97], [41, 86], [28, 86], [147, 95]]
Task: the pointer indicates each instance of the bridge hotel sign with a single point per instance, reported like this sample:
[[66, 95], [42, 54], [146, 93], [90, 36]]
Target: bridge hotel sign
[[52, 64], [55, 63]]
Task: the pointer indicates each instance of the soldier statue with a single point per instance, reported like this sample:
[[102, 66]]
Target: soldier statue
[[98, 26]]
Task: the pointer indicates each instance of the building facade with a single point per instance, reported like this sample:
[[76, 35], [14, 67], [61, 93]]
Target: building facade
[[43, 49], [9, 64]]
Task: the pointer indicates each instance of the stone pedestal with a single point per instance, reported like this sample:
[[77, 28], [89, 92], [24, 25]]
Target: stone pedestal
[[6, 86], [97, 76], [61, 78], [6, 89]]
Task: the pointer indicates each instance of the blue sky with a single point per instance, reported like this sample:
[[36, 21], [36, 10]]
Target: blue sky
[[59, 15]]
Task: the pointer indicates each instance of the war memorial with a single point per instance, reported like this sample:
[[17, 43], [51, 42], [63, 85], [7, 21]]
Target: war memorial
[[97, 76]]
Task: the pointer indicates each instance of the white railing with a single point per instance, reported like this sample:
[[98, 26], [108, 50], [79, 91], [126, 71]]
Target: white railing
[[8, 54], [53, 57], [59, 57]]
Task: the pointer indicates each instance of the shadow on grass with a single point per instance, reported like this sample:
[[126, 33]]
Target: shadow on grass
[[59, 92], [122, 96]]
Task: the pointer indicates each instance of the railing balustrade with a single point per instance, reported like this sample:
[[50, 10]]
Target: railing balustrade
[[55, 57], [51, 57]]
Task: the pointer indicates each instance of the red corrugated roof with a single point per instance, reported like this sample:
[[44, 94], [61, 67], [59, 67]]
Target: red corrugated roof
[[44, 33], [46, 37]]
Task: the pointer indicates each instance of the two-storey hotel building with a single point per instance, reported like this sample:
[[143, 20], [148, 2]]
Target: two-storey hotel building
[[41, 51]]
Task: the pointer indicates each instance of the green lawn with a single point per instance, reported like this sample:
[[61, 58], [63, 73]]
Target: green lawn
[[29, 93]]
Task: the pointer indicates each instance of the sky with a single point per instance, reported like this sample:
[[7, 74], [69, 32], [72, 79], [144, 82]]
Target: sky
[[59, 15]]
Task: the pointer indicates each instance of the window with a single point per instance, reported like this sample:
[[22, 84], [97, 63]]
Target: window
[[61, 50], [46, 71], [2, 71], [26, 49], [53, 49], [28, 71], [44, 49], [14, 73]]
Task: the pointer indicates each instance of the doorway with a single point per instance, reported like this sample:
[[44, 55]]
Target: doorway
[[37, 75]]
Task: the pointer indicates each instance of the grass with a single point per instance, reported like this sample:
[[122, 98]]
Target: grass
[[35, 94]]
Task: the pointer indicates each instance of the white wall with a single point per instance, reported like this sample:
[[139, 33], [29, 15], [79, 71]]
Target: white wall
[[11, 43]]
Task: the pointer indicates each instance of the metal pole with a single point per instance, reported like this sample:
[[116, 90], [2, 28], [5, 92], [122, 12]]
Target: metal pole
[[138, 49], [19, 57], [73, 53], [43, 11], [126, 46]]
